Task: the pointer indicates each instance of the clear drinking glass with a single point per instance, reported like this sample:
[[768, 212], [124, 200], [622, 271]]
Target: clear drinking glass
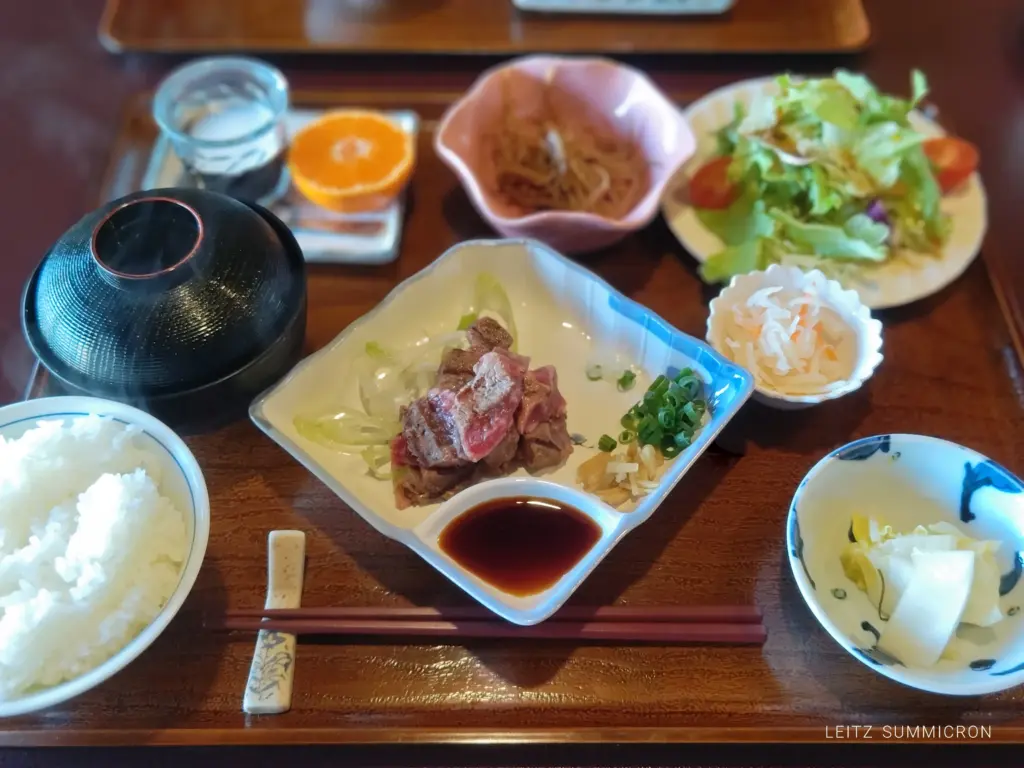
[[225, 117]]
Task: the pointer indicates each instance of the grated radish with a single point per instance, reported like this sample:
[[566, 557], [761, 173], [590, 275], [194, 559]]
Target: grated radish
[[790, 340]]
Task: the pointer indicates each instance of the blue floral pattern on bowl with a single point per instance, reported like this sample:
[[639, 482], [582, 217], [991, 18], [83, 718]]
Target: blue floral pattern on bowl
[[911, 480]]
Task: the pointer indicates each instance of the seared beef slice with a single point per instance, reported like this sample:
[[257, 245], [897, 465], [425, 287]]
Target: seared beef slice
[[483, 410], [416, 486], [541, 419], [430, 436], [541, 399], [487, 334], [546, 445], [456, 369]]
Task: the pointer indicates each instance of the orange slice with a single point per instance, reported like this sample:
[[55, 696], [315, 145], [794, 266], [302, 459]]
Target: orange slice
[[351, 161]]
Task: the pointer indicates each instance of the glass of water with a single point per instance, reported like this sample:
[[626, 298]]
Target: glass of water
[[224, 117]]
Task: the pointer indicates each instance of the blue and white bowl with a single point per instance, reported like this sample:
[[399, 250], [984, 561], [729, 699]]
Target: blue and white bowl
[[911, 480], [181, 480]]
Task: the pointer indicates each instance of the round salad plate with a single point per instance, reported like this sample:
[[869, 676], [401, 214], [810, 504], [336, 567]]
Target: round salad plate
[[901, 280]]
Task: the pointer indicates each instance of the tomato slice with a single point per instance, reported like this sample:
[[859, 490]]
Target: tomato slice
[[954, 160], [710, 187]]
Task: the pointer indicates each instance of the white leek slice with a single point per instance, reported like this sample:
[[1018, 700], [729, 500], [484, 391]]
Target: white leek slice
[[927, 615], [983, 604]]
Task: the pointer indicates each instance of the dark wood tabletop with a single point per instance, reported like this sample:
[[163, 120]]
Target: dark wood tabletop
[[950, 370]]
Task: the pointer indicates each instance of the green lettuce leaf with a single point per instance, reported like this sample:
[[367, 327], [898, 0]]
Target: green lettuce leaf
[[733, 260], [830, 241], [744, 220]]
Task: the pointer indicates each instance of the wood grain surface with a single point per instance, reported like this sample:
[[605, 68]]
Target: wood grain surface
[[472, 27], [949, 371]]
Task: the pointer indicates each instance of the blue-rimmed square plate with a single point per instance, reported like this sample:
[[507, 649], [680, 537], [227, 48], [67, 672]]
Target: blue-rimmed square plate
[[565, 316]]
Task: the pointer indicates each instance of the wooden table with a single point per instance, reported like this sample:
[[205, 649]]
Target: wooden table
[[950, 370]]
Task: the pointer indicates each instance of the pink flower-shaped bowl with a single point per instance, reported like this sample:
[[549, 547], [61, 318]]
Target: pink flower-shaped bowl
[[625, 99]]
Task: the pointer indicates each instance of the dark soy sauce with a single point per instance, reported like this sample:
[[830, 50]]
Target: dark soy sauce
[[520, 545]]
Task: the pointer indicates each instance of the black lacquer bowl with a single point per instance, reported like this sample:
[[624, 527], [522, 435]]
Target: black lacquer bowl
[[183, 302]]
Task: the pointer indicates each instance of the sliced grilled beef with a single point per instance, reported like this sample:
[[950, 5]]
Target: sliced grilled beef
[[417, 486], [483, 411], [541, 399], [504, 453], [547, 445], [430, 436], [487, 334], [457, 368]]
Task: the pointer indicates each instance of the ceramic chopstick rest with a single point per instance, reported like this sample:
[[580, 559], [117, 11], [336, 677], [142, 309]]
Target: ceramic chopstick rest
[[269, 688]]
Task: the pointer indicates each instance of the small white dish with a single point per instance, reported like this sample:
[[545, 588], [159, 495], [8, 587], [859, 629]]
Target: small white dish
[[911, 480], [863, 350], [564, 314], [895, 283], [528, 609], [181, 481]]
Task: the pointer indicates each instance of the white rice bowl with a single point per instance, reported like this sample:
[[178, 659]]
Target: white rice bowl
[[101, 518]]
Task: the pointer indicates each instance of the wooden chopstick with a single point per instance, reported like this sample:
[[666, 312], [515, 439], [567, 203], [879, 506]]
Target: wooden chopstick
[[647, 632], [679, 614]]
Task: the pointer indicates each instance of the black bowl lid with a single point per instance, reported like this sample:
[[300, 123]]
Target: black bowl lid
[[161, 292]]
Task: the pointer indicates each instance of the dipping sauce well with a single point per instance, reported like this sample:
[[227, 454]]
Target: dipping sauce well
[[520, 545]]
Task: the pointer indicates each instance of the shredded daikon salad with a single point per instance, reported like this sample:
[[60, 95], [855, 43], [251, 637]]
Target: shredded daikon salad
[[790, 340]]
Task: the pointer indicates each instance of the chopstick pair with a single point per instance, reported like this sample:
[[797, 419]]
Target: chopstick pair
[[734, 625]]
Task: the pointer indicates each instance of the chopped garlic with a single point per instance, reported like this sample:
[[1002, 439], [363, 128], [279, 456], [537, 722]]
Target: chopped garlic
[[625, 476]]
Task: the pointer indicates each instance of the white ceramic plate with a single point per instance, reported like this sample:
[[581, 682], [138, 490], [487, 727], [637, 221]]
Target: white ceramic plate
[[899, 281], [562, 312]]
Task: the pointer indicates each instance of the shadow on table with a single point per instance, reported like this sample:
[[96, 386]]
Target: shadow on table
[[817, 429]]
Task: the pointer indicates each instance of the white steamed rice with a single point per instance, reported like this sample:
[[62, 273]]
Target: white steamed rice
[[90, 550]]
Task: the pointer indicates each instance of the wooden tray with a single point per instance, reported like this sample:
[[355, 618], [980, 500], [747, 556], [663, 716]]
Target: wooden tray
[[719, 539], [471, 27]]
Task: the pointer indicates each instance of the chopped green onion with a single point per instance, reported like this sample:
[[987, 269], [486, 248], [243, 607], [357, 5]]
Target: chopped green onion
[[649, 431], [467, 320], [594, 372], [668, 414], [691, 414], [626, 381], [606, 443], [667, 418]]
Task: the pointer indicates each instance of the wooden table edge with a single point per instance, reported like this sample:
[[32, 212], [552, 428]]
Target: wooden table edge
[[857, 42], [270, 735]]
